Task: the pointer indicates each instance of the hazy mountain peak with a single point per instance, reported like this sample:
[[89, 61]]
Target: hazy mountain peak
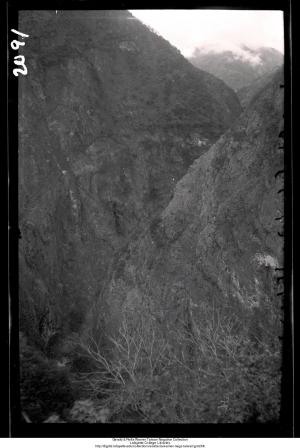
[[238, 66]]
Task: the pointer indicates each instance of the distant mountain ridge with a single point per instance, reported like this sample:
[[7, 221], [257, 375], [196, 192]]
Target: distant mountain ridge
[[237, 67]]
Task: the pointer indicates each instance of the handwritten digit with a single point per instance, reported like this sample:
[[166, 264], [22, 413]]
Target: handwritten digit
[[15, 44], [19, 33]]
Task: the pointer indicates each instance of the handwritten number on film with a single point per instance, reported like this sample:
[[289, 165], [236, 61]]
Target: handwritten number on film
[[20, 59]]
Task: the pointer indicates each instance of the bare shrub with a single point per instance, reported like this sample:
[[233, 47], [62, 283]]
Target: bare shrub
[[206, 370]]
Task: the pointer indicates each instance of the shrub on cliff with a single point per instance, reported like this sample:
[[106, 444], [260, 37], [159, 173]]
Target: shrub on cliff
[[206, 373]]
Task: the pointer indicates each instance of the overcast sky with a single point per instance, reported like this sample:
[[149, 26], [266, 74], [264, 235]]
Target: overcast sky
[[216, 29]]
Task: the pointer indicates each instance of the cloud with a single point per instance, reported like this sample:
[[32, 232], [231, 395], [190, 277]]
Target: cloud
[[216, 29], [239, 52]]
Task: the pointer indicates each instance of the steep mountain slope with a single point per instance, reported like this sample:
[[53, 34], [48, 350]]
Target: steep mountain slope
[[238, 69], [247, 93], [207, 274], [110, 118]]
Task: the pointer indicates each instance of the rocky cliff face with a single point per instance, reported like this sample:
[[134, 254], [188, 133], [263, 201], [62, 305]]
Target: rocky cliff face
[[214, 255], [110, 118], [238, 68], [222, 214]]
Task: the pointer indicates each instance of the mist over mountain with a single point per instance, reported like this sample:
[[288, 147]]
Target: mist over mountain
[[239, 66], [147, 205]]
